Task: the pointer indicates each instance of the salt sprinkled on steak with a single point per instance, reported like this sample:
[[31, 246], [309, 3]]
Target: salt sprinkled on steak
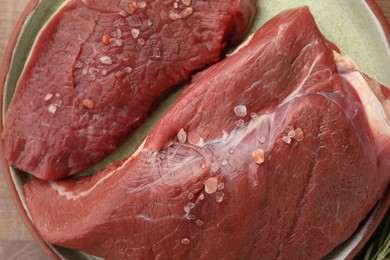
[[123, 55], [211, 185], [298, 134], [52, 108], [182, 136], [240, 111], [301, 202], [48, 96], [258, 156], [186, 241]]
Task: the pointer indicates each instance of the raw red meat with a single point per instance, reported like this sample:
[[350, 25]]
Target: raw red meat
[[279, 151], [98, 66]]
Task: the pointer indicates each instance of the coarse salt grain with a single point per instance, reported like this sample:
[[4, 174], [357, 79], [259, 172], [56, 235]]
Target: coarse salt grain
[[128, 69], [48, 96], [106, 39], [199, 222], [142, 4], [190, 217], [219, 196], [133, 6], [134, 32], [190, 205], [214, 167], [103, 72], [93, 70], [291, 133], [240, 111], [156, 53], [298, 136], [185, 241], [258, 156], [52, 108], [182, 136], [203, 165], [211, 185], [88, 103], [141, 41], [105, 60], [262, 139], [118, 42], [186, 12], [79, 64], [224, 162], [286, 139], [122, 13]]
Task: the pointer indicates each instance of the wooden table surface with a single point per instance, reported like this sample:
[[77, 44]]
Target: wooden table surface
[[15, 240]]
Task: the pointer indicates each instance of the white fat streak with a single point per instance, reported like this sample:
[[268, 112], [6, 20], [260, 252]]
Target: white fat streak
[[344, 63], [144, 217], [241, 45], [236, 136], [184, 163], [71, 196], [296, 91], [376, 115]]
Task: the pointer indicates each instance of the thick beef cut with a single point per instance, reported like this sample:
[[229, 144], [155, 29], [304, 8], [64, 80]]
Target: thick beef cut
[[279, 151], [98, 66]]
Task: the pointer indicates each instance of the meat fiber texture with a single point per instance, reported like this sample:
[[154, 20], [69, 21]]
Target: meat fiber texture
[[277, 152], [97, 68]]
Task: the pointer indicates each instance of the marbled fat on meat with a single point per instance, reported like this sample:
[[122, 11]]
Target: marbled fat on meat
[[96, 69], [289, 179]]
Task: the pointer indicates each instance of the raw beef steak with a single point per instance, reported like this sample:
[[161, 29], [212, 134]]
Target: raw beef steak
[[279, 151], [98, 66]]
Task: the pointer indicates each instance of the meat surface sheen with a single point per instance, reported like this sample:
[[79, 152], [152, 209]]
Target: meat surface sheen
[[277, 152], [97, 68]]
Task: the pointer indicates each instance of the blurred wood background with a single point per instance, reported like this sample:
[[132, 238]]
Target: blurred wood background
[[15, 240]]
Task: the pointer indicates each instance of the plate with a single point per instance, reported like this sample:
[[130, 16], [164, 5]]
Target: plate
[[358, 28]]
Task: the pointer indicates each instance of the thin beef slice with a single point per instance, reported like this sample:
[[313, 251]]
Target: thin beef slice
[[279, 151], [96, 69]]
